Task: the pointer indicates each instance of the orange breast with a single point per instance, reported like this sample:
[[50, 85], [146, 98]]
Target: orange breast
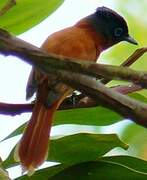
[[73, 42]]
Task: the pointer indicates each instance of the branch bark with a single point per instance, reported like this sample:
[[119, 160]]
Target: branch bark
[[127, 107], [10, 45], [124, 105]]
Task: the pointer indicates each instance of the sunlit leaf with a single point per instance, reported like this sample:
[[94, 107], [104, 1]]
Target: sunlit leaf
[[26, 14], [135, 136]]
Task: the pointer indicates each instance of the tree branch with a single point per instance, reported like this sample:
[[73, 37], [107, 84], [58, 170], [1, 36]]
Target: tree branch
[[124, 105], [80, 100], [127, 107], [136, 55], [11, 45], [15, 109], [7, 7], [129, 61]]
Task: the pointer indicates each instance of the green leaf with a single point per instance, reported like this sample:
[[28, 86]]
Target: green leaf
[[4, 174], [10, 162], [77, 148], [98, 170], [135, 136], [128, 161], [44, 174], [96, 116], [133, 131], [139, 97], [16, 132], [87, 171], [82, 147], [26, 14]]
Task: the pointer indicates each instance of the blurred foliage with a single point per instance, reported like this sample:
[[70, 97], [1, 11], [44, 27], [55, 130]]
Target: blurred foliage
[[82, 155], [135, 13], [135, 136], [26, 14]]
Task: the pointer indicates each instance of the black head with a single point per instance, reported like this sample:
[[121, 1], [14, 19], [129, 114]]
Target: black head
[[113, 26]]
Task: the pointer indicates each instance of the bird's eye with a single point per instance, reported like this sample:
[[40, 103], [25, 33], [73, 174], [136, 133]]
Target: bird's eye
[[118, 32]]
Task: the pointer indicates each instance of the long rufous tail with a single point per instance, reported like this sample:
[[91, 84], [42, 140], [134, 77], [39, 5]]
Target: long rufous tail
[[33, 146]]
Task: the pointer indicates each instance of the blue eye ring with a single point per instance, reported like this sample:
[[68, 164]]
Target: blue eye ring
[[118, 32]]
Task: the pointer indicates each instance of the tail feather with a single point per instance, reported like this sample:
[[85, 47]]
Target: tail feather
[[33, 146]]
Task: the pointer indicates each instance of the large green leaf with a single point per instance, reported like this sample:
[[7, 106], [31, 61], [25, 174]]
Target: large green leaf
[[88, 171], [26, 14], [83, 147], [96, 116], [77, 148], [98, 170]]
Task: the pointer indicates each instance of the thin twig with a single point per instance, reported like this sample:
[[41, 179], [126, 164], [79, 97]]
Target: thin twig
[[127, 89], [135, 56], [129, 61], [7, 7]]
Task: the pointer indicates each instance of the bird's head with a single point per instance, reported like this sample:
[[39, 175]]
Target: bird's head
[[112, 26]]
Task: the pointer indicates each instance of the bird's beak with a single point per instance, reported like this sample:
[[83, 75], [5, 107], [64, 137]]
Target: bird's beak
[[131, 40]]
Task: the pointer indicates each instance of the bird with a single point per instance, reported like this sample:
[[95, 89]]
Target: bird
[[85, 40]]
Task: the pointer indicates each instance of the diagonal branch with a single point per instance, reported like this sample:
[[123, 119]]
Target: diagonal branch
[[10, 45], [129, 61], [15, 109], [124, 105], [7, 7], [136, 55]]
